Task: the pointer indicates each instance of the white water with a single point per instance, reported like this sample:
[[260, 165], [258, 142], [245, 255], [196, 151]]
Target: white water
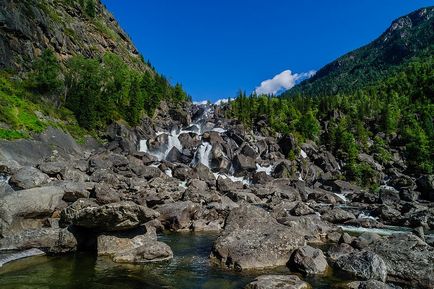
[[169, 172], [303, 154], [233, 178], [342, 197], [380, 231], [203, 154], [267, 170], [366, 216], [20, 255], [4, 178]]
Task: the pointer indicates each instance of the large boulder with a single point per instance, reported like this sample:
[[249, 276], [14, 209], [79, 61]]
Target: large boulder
[[119, 216], [309, 260], [337, 216], [371, 284], [408, 259], [31, 203], [139, 249], [365, 265], [252, 238], [278, 282], [50, 240], [28, 177], [244, 163], [177, 216]]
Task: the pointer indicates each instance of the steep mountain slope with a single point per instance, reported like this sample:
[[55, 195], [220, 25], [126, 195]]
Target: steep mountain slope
[[408, 36], [68, 27]]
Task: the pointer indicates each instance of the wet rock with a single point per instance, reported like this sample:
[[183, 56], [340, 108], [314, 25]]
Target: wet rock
[[205, 174], [28, 177], [177, 216], [309, 260], [119, 216], [278, 282], [365, 265], [408, 259], [50, 240], [337, 216], [134, 250], [253, 239], [31, 203]]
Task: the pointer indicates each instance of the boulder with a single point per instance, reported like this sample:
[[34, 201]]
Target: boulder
[[31, 203], [135, 250], [75, 190], [408, 259], [278, 282], [105, 194], [244, 163], [53, 169], [177, 216], [371, 284], [50, 240], [119, 216], [337, 216], [338, 250], [252, 238], [365, 265], [28, 177], [309, 260]]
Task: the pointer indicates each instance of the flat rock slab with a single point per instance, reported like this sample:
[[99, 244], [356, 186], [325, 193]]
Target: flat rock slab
[[252, 239]]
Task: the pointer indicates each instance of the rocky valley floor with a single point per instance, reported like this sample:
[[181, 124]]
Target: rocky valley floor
[[193, 200]]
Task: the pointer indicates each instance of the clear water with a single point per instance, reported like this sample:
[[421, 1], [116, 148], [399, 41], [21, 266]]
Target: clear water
[[190, 269]]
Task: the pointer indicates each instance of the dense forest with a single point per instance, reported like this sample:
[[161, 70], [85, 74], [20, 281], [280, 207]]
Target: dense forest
[[94, 93], [394, 113]]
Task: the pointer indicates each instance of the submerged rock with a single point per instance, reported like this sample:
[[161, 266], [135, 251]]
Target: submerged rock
[[278, 282], [252, 238], [119, 216]]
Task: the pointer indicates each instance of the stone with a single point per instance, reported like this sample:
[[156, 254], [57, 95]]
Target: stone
[[365, 265], [28, 177], [253, 239], [177, 216], [36, 202], [309, 260], [134, 250], [244, 163], [119, 216], [371, 284], [75, 190], [278, 282], [301, 209], [50, 240], [338, 250], [337, 216]]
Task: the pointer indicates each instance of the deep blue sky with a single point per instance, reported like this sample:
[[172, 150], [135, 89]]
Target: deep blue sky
[[214, 48]]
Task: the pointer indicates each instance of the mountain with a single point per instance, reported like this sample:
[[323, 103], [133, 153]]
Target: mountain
[[408, 37], [67, 27]]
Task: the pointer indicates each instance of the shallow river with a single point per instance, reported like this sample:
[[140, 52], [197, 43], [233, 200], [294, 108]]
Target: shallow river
[[190, 269]]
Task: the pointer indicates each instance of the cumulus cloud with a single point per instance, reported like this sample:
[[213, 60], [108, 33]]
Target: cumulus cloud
[[222, 101], [203, 102], [282, 81]]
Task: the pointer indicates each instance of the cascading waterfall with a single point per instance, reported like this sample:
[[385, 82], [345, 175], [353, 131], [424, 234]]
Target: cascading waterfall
[[204, 154], [20, 255]]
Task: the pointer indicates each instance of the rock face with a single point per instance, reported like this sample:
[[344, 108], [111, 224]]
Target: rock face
[[27, 27], [252, 238], [50, 240], [32, 203], [408, 259], [278, 282], [309, 260], [120, 216], [139, 249], [365, 265]]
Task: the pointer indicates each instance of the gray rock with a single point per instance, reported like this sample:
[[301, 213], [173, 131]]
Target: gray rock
[[338, 250], [337, 216], [28, 177], [51, 240], [252, 238], [53, 168], [31, 203], [371, 284], [365, 265], [119, 216], [408, 259], [309, 260], [75, 190], [278, 282], [177, 216], [244, 163], [135, 250]]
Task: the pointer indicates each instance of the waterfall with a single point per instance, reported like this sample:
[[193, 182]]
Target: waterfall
[[4, 178], [20, 255], [342, 197], [303, 154], [204, 154], [267, 170]]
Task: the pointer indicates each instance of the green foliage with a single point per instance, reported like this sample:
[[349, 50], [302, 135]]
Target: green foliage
[[396, 111], [102, 91], [46, 74], [90, 8]]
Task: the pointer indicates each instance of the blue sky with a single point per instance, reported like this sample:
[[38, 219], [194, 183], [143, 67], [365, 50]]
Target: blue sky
[[216, 47]]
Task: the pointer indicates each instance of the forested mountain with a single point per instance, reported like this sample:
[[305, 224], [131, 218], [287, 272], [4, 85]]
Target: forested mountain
[[68, 64], [408, 36], [376, 101]]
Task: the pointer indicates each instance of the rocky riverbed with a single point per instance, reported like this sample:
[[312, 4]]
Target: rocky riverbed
[[193, 170]]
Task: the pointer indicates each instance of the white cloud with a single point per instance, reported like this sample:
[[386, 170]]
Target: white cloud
[[203, 102], [282, 81], [221, 101]]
